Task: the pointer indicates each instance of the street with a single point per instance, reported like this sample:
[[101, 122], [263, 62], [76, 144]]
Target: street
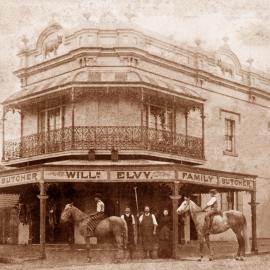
[[260, 262]]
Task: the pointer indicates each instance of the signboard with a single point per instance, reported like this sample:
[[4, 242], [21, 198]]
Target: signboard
[[218, 181], [75, 175], [142, 175], [198, 178], [92, 176], [241, 183], [20, 179]]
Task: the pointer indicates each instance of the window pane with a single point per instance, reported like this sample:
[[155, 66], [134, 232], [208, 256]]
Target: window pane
[[41, 127], [229, 134], [54, 121]]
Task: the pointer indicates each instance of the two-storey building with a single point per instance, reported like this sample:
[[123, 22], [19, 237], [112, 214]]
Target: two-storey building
[[140, 119]]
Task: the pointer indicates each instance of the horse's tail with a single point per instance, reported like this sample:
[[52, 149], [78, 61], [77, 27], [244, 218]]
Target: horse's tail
[[125, 234], [245, 235]]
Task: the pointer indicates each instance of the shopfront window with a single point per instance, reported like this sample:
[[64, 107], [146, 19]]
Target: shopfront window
[[232, 200]]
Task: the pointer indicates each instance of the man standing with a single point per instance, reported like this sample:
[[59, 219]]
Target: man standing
[[213, 205], [164, 243], [148, 225], [130, 220]]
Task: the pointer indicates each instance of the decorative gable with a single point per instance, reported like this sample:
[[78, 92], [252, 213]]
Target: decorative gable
[[49, 41], [227, 61]]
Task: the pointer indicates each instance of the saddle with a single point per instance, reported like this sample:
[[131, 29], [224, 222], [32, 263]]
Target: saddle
[[209, 221], [93, 221], [218, 213]]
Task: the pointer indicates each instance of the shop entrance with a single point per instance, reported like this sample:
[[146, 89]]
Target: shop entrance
[[116, 196], [82, 196]]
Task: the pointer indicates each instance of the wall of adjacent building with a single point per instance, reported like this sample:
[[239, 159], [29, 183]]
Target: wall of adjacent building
[[252, 145]]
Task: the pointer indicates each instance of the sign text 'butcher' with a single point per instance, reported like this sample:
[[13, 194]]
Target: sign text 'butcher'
[[20, 179]]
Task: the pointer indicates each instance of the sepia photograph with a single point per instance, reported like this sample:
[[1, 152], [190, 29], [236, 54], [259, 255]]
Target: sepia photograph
[[134, 134]]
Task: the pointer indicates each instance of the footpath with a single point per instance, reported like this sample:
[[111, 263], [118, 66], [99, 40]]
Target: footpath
[[65, 255]]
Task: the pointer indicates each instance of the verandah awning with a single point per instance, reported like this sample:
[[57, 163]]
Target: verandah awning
[[135, 172], [96, 79]]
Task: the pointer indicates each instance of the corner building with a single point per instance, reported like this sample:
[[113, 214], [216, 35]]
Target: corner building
[[112, 109]]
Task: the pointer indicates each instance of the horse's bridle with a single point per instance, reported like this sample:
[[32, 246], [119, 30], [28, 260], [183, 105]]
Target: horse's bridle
[[68, 214], [187, 205], [183, 211]]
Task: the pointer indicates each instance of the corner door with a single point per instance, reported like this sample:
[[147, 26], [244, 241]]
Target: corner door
[[50, 124]]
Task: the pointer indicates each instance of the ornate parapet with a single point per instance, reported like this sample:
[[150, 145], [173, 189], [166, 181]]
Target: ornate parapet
[[136, 48]]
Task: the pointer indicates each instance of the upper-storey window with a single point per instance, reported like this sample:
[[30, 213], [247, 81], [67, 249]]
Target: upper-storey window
[[54, 120], [51, 119], [231, 124], [159, 118], [160, 121], [230, 136]]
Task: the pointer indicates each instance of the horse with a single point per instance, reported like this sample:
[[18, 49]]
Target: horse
[[52, 46], [113, 224], [225, 67], [231, 219]]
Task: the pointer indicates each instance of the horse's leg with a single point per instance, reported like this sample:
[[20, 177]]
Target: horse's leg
[[118, 240], [88, 246], [239, 249], [207, 239], [201, 247], [241, 244]]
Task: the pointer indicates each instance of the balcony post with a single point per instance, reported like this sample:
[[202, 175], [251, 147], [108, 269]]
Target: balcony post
[[186, 125], [42, 233], [175, 198], [142, 127], [202, 117], [21, 146], [72, 118], [174, 122], [62, 117], [3, 132], [253, 205]]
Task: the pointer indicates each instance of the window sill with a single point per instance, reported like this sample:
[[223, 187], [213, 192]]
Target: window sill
[[232, 154]]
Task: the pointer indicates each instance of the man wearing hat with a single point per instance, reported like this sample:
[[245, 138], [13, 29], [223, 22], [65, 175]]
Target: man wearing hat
[[213, 205], [130, 220]]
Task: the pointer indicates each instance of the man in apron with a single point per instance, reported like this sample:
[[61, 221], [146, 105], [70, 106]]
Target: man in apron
[[148, 225]]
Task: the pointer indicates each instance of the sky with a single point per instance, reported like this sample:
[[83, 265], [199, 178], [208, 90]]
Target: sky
[[245, 22]]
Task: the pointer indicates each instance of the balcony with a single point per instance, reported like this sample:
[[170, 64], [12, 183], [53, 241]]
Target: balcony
[[104, 138]]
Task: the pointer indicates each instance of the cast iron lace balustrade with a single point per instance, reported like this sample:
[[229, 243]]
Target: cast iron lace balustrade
[[104, 138]]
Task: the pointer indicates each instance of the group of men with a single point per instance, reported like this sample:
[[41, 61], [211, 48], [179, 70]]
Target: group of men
[[148, 226], [148, 223]]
